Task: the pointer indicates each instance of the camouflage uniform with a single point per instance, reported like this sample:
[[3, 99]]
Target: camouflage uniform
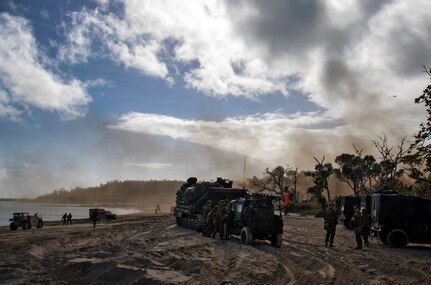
[[205, 210], [331, 220], [357, 228], [365, 226], [219, 215], [210, 221]]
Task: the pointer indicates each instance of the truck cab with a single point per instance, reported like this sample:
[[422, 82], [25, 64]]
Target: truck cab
[[254, 217]]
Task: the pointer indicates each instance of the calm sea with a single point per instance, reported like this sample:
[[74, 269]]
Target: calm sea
[[52, 212]]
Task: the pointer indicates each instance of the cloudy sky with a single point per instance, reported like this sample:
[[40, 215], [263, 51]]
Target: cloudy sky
[[92, 91]]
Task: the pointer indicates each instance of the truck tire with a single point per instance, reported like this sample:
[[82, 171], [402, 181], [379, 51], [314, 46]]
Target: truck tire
[[39, 224], [246, 236], [13, 226], [276, 240], [397, 238]]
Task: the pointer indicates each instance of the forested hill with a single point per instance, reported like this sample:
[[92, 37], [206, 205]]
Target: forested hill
[[117, 192]]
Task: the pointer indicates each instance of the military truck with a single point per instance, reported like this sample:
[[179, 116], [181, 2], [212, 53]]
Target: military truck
[[345, 210], [400, 219], [254, 217], [25, 221], [102, 214], [192, 196]]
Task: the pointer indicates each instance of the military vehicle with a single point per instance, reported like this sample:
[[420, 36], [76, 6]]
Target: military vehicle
[[25, 221], [345, 209], [253, 217], [192, 196], [102, 214], [400, 219]]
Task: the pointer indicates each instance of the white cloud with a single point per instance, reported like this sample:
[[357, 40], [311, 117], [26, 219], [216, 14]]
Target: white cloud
[[269, 137], [26, 81], [197, 32]]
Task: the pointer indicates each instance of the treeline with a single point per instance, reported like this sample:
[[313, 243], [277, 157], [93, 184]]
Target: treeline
[[117, 192]]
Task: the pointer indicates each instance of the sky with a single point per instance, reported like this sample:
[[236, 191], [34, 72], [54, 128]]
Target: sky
[[95, 91]]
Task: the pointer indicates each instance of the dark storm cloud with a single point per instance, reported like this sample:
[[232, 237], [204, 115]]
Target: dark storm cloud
[[282, 26]]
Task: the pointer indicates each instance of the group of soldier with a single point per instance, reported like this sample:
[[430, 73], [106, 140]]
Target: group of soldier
[[360, 223], [214, 218], [67, 219]]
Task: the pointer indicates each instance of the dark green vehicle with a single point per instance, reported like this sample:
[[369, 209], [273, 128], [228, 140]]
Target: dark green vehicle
[[254, 217], [25, 221]]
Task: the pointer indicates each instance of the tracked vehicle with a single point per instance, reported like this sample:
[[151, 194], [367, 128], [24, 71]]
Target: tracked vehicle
[[193, 195], [25, 221]]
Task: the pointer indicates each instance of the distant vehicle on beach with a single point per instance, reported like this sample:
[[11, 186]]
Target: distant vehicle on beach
[[102, 214], [25, 221]]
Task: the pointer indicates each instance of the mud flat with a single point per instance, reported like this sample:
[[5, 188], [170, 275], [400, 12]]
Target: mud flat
[[138, 249]]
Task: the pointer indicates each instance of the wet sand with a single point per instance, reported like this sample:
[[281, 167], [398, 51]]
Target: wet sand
[[139, 249]]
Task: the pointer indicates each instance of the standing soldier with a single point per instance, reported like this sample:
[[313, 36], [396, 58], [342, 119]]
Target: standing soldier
[[331, 220], [210, 221], [357, 228], [69, 218], [94, 217], [205, 210], [64, 218], [365, 226], [219, 215]]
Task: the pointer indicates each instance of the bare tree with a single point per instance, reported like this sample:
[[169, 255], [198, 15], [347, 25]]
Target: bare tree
[[392, 159], [274, 181]]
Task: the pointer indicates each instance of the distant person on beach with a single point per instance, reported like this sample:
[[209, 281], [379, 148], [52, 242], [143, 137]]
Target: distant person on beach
[[331, 220], [158, 208], [69, 218], [64, 218], [94, 216]]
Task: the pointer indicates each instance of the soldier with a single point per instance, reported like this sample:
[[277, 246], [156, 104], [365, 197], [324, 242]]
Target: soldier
[[365, 226], [205, 210], [217, 221], [331, 221], [225, 220], [210, 221], [64, 218], [69, 218], [94, 217], [356, 220]]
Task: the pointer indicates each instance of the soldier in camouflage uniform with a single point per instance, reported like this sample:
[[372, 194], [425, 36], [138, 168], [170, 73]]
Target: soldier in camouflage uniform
[[210, 221], [219, 215], [357, 227], [205, 210], [331, 220]]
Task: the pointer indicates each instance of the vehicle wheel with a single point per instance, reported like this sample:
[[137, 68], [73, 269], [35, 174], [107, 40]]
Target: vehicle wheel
[[13, 226], [246, 236], [397, 238], [39, 224], [276, 240]]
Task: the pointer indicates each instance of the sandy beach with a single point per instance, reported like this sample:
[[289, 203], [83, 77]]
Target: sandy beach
[[139, 249]]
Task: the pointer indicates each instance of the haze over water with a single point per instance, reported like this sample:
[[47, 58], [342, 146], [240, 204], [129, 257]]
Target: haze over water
[[52, 212]]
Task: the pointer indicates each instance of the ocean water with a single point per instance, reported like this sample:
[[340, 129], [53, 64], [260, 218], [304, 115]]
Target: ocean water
[[53, 212]]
